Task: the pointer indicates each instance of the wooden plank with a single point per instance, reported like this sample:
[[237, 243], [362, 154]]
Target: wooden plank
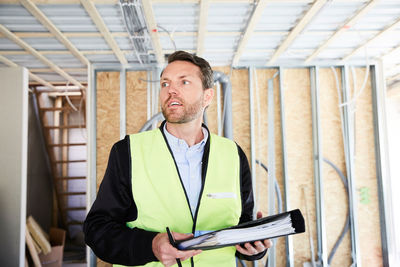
[[202, 28], [70, 161], [32, 250], [38, 235], [70, 177], [102, 27], [74, 208], [38, 14], [39, 56], [255, 17], [348, 24], [67, 144], [297, 29], [56, 109], [50, 127], [152, 28]]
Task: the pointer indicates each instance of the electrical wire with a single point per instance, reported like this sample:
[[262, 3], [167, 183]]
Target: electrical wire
[[169, 34], [346, 225]]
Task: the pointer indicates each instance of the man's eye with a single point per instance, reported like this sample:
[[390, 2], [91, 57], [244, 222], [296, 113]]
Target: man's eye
[[164, 84], [185, 82]]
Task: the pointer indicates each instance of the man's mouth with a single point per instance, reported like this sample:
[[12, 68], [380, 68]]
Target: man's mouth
[[174, 103]]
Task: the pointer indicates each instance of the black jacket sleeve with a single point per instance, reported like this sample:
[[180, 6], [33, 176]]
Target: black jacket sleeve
[[247, 200], [105, 227]]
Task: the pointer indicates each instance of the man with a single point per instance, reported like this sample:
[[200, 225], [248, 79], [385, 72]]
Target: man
[[178, 176]]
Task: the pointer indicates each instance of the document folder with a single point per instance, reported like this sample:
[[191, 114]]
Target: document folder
[[286, 223]]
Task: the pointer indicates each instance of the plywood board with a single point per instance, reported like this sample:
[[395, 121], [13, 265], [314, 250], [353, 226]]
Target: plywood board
[[107, 118], [261, 122], [365, 176], [136, 100], [297, 103], [334, 190]]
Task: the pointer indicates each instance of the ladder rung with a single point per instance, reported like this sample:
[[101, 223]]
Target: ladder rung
[[64, 126], [72, 193], [70, 177], [74, 223], [55, 109], [74, 208], [71, 144], [70, 161]]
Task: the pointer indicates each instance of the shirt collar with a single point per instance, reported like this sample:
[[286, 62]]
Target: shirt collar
[[176, 142]]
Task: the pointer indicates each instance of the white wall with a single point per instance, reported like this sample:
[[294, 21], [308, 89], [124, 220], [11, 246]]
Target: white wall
[[13, 164]]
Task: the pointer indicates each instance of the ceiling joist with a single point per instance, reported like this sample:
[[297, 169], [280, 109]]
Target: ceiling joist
[[31, 75], [202, 28], [380, 34], [101, 26], [153, 30], [39, 56], [38, 14], [317, 5], [348, 24], [255, 17]]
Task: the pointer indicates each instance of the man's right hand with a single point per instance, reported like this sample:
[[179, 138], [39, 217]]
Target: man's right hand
[[166, 253]]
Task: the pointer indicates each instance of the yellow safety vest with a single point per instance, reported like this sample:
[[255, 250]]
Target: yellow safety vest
[[161, 200]]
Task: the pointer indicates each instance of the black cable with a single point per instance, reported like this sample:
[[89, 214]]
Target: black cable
[[346, 225]]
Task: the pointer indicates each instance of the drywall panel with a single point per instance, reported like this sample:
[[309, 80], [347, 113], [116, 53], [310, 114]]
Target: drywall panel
[[13, 164], [298, 120], [136, 100], [335, 193]]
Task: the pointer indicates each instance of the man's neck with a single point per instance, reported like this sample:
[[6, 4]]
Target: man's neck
[[191, 132]]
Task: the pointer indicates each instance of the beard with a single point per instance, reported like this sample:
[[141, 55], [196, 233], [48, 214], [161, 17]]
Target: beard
[[188, 113]]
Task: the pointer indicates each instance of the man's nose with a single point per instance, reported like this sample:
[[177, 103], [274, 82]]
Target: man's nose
[[173, 88]]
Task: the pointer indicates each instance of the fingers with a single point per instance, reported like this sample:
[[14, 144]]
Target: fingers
[[259, 214], [166, 253], [268, 243], [256, 248], [180, 236]]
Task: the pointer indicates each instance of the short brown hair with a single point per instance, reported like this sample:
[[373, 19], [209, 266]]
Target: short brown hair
[[206, 73]]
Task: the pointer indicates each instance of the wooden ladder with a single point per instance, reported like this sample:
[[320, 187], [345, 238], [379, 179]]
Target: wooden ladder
[[56, 130]]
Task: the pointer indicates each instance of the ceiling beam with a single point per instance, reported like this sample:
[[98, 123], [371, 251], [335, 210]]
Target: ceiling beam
[[31, 75], [255, 17], [348, 24], [38, 14], [39, 56], [101, 26], [380, 34], [316, 6], [82, 70], [153, 31], [202, 28]]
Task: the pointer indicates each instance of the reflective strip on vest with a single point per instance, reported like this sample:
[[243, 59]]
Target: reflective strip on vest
[[161, 200]]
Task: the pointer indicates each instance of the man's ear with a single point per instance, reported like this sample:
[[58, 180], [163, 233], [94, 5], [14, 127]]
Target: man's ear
[[208, 96]]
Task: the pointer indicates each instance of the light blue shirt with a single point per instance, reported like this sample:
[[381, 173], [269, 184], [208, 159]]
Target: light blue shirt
[[189, 161]]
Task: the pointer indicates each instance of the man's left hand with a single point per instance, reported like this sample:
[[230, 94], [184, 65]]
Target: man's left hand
[[255, 248]]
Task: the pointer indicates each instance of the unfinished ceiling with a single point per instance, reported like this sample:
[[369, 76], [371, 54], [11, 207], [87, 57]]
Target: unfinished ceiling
[[57, 40]]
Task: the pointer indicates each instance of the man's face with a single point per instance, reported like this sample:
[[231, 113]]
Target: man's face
[[182, 96]]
